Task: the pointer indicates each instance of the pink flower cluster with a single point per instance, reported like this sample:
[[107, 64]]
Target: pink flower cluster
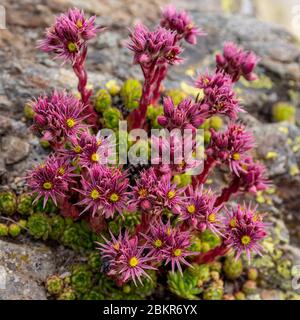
[[79, 176]]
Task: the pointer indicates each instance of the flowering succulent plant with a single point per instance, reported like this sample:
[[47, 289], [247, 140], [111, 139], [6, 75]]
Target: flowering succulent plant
[[79, 178]]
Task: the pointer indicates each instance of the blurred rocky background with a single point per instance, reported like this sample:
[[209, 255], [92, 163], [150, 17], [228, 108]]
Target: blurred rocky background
[[269, 28]]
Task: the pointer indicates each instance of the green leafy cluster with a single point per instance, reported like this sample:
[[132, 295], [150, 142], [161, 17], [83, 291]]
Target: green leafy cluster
[[131, 93]]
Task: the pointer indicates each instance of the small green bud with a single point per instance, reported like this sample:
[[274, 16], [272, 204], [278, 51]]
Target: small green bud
[[113, 87], [68, 294], [249, 287], [216, 123], [3, 230], [28, 111], [22, 223], [14, 230], [196, 244], [207, 136], [216, 266], [213, 292], [24, 204], [233, 268], [177, 95], [39, 226], [102, 101], [200, 271], [205, 247], [252, 274], [240, 295], [8, 203], [44, 143], [126, 288], [283, 112], [131, 93], [111, 118], [54, 285]]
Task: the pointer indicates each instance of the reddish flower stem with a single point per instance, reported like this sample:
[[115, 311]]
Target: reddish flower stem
[[80, 71], [228, 192], [212, 254], [209, 164]]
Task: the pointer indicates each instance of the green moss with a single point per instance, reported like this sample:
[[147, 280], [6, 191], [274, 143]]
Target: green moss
[[57, 227], [283, 112], [3, 230], [24, 204], [94, 261], [54, 285], [93, 294], [129, 220], [233, 268], [39, 226], [77, 238], [111, 118], [81, 279], [8, 203], [103, 100], [131, 93], [200, 271]]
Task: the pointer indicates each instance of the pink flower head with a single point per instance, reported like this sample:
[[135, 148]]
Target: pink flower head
[[236, 62], [158, 238], [50, 180], [181, 23], [127, 258], [153, 47], [253, 176], [104, 190], [144, 192], [219, 95], [170, 196], [198, 210], [177, 249], [187, 115], [244, 230], [67, 37], [231, 146], [58, 116]]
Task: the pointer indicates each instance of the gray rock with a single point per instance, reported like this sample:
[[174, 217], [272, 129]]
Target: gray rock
[[15, 149], [25, 267]]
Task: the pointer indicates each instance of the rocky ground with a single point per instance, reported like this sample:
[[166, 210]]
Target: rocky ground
[[26, 72]]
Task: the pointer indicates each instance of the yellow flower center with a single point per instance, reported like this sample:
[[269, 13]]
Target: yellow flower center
[[232, 223], [61, 171], [133, 262], [212, 217], [114, 197], [158, 243], [169, 230], [95, 194], [99, 142], [236, 156], [191, 209], [72, 47], [177, 252], [143, 193], [171, 194], [47, 185], [116, 246], [245, 240], [79, 24], [77, 149], [71, 122], [95, 157]]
